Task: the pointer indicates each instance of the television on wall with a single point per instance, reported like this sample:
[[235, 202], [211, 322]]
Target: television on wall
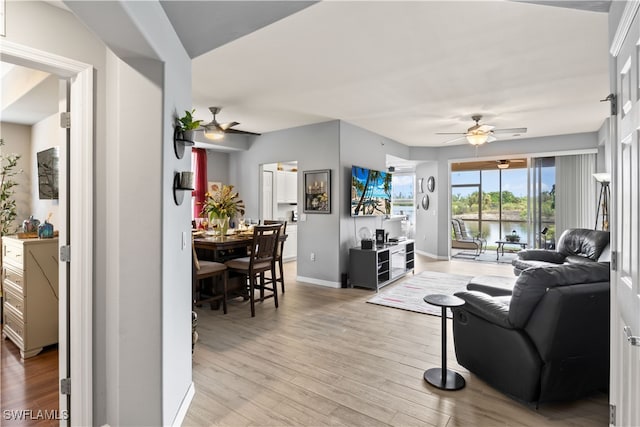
[[48, 174], [370, 192]]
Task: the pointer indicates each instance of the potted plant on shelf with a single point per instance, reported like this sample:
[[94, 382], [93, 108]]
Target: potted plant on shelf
[[188, 125]]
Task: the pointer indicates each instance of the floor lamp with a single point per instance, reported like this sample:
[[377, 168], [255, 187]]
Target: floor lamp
[[603, 201]]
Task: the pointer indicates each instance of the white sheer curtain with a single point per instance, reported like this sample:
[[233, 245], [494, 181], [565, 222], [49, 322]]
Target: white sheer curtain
[[576, 192]]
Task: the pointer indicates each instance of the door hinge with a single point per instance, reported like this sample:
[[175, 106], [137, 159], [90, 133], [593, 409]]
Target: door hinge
[[631, 339], [614, 261], [65, 253], [65, 120], [612, 414], [614, 103], [65, 386]]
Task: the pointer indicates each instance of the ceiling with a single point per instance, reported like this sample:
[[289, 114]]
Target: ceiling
[[404, 70], [407, 70]]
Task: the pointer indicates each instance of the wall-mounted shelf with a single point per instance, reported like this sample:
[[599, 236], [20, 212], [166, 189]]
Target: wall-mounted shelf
[[179, 142], [178, 190]]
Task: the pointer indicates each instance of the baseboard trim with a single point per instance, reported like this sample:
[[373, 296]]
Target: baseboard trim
[[184, 406], [434, 256], [318, 282]]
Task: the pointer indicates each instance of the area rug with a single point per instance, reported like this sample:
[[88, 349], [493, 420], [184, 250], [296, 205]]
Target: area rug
[[408, 294]]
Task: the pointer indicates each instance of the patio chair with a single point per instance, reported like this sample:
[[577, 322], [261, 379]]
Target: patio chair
[[465, 234], [459, 241]]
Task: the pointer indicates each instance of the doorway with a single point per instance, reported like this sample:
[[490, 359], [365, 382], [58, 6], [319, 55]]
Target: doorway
[[75, 278], [279, 200]]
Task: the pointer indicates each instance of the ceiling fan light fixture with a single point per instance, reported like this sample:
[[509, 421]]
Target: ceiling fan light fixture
[[213, 133], [503, 164], [477, 138]]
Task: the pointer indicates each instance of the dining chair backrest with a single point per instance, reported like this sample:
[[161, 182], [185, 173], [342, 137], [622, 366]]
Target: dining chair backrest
[[283, 231], [264, 244]]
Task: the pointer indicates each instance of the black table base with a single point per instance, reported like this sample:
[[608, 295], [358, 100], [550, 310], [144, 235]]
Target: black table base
[[443, 378], [452, 380]]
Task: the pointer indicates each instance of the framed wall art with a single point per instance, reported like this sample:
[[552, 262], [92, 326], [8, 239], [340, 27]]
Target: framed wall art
[[317, 191]]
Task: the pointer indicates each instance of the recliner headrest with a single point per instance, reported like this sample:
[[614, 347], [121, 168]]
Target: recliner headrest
[[533, 283], [583, 242]]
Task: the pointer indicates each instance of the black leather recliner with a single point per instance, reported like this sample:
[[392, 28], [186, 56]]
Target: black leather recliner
[[548, 341], [575, 246]]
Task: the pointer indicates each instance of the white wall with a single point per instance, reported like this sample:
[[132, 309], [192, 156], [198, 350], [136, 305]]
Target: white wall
[[142, 348], [427, 222], [17, 139], [44, 135]]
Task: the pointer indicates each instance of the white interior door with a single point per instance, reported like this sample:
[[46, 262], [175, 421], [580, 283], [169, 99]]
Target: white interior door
[[625, 292]]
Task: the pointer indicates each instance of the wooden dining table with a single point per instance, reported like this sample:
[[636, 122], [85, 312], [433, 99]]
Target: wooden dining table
[[224, 248]]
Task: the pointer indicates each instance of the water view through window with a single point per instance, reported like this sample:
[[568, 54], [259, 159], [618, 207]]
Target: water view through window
[[496, 202]]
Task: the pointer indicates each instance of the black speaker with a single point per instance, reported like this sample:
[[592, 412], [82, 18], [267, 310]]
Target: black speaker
[[366, 244], [379, 237]]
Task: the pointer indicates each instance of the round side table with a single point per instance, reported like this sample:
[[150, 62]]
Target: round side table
[[443, 378]]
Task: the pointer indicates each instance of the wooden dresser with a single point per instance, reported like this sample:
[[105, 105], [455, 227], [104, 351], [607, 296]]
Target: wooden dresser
[[30, 291]]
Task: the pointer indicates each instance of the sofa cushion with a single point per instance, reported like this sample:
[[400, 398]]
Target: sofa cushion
[[533, 283]]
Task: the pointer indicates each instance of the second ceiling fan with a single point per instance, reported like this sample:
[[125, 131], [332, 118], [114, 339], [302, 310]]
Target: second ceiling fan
[[216, 131], [479, 134]]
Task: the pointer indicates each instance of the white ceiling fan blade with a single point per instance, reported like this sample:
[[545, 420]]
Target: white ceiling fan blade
[[512, 130], [451, 133], [455, 139], [226, 126], [491, 138], [485, 128]]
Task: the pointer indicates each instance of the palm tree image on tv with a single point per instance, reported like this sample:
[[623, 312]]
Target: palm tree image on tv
[[370, 192]]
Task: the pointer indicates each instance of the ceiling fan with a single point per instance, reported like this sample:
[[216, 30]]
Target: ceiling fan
[[504, 164], [216, 131], [479, 134]]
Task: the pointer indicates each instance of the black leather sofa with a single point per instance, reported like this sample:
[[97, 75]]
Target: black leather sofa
[[575, 246], [548, 341]]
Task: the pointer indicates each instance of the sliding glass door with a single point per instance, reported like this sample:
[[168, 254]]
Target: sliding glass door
[[543, 201], [491, 200]]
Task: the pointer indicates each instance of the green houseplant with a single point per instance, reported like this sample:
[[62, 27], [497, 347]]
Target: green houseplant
[[8, 170], [188, 125], [220, 205]]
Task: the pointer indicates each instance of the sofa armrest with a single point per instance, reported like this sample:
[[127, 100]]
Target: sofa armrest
[[541, 255], [491, 309]]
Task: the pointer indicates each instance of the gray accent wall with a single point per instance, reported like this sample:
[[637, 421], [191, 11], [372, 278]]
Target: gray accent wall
[[314, 147], [364, 148]]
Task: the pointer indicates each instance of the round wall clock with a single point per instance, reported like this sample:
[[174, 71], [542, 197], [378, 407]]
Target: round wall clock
[[431, 184]]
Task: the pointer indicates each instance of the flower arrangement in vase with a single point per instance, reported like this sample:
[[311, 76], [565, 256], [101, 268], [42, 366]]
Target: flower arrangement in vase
[[220, 205]]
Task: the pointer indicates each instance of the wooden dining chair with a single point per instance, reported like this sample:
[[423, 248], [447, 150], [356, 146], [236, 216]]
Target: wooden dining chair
[[261, 259], [202, 270], [283, 231]]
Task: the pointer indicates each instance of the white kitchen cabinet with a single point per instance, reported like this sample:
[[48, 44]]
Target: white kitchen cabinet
[[290, 250], [287, 187]]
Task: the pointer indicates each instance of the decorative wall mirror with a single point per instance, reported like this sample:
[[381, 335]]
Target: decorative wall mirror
[[431, 184], [421, 185], [425, 202]]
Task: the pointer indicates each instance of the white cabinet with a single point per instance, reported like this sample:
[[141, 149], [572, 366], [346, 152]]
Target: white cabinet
[[30, 289], [290, 250], [287, 187]]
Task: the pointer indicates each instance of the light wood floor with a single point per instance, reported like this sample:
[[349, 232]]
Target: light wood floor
[[30, 384], [325, 357]]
